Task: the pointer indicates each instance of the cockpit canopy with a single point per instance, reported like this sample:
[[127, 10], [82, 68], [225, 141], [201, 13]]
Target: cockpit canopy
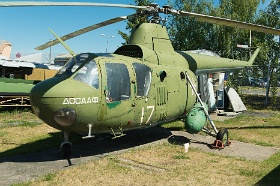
[[85, 68]]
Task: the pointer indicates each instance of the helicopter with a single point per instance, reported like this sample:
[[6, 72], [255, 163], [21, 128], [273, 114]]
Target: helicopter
[[142, 84]]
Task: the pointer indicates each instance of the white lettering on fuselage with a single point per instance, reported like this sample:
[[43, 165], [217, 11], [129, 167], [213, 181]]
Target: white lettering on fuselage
[[80, 101]]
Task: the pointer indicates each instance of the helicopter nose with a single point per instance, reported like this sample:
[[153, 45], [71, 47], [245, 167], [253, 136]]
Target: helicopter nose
[[47, 99]]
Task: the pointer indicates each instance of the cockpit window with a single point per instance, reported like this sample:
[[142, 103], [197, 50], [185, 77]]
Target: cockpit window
[[88, 74], [143, 79], [118, 82], [74, 63]]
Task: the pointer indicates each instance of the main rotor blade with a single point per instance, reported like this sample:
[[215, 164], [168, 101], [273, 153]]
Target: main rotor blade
[[38, 3], [227, 22], [82, 31]]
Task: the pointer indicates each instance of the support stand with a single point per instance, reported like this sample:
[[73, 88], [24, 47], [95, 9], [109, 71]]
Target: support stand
[[200, 101]]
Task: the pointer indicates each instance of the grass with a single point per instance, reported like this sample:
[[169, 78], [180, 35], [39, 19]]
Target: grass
[[254, 100], [160, 165], [163, 164], [258, 127], [10, 114], [21, 132]]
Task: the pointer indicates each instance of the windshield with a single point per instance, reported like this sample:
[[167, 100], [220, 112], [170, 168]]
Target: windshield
[[88, 74], [73, 64]]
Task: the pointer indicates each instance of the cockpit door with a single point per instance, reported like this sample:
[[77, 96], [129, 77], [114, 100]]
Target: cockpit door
[[116, 89]]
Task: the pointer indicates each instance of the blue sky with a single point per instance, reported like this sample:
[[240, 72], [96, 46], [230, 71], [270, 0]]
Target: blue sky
[[27, 27]]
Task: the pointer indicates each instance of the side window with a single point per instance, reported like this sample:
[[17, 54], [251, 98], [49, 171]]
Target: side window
[[143, 79], [118, 82]]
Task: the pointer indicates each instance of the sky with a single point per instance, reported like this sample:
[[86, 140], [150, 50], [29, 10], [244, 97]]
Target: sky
[[27, 27]]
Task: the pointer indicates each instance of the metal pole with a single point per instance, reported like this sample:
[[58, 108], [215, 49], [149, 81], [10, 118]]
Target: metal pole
[[267, 84], [107, 45], [250, 43], [107, 42], [50, 56], [200, 101]]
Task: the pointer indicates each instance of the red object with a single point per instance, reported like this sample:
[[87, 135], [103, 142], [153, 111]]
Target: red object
[[218, 144]]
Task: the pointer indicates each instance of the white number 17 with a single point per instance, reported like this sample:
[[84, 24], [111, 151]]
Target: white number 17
[[143, 111]]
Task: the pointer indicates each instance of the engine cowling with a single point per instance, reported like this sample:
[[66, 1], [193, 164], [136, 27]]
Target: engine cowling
[[195, 119]]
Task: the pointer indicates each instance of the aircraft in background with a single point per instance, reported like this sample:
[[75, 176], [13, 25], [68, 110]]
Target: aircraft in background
[[20, 75]]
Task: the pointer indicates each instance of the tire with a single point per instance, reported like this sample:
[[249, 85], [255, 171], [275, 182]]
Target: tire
[[223, 136]]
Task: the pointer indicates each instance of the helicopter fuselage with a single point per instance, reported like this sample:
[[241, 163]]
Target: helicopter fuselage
[[117, 93]]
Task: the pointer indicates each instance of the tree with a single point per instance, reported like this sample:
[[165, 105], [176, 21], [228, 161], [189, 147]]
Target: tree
[[186, 33], [269, 64], [228, 38]]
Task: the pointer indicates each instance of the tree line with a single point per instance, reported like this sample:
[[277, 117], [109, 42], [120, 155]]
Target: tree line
[[188, 34]]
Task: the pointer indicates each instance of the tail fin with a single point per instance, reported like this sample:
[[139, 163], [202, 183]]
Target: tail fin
[[5, 49]]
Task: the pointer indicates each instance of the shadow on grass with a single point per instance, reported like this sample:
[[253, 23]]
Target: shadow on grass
[[272, 178], [178, 140], [33, 147], [174, 128], [50, 151], [255, 127]]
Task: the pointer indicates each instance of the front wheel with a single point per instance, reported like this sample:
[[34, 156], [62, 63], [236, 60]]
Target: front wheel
[[223, 136]]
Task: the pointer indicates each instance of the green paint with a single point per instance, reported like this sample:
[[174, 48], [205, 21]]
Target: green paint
[[113, 104]]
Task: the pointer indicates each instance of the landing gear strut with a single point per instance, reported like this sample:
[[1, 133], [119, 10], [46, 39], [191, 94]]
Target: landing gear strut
[[222, 139], [66, 148]]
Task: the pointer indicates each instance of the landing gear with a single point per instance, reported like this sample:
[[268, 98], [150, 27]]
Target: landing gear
[[222, 139], [223, 136], [66, 148]]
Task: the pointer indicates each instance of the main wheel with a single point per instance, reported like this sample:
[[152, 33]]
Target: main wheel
[[66, 148], [223, 136]]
